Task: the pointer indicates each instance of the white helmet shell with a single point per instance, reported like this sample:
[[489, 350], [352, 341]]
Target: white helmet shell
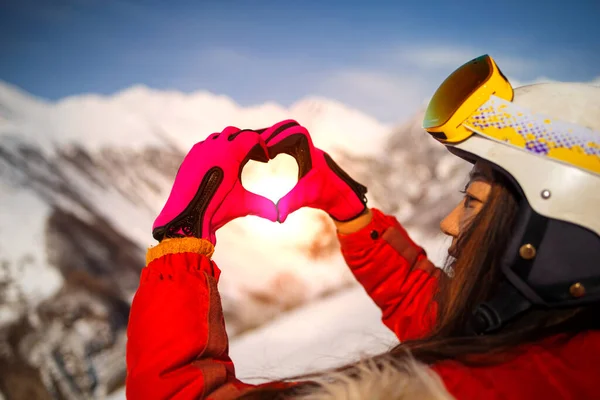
[[553, 188]]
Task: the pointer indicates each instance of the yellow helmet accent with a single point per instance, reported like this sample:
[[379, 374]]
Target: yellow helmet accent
[[539, 134]]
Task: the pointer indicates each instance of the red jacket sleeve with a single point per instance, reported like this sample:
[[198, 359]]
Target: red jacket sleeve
[[395, 273], [177, 345]]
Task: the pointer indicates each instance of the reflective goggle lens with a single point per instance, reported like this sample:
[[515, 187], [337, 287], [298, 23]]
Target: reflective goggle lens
[[457, 88]]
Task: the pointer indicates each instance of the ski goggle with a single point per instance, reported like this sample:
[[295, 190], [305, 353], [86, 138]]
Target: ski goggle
[[460, 95], [477, 99]]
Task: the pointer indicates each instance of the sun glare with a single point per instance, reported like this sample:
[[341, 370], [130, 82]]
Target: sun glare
[[273, 181]]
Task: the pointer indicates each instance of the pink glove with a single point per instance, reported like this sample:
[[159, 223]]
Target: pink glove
[[207, 192], [322, 184]]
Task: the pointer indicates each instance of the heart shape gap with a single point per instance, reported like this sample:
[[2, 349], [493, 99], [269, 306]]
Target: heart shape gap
[[272, 180]]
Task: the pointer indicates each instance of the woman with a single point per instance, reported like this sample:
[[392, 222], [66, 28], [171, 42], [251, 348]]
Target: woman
[[515, 317]]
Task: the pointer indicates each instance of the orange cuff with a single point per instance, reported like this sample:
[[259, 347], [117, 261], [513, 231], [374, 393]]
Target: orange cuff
[[180, 245]]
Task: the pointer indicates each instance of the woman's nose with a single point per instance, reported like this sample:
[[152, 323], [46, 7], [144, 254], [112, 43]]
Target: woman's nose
[[450, 224]]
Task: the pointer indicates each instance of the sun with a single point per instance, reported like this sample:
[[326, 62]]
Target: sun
[[272, 187], [274, 180]]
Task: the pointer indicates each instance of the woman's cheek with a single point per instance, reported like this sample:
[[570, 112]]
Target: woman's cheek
[[467, 216]]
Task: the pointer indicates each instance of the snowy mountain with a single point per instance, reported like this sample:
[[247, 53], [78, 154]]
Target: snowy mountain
[[81, 180]]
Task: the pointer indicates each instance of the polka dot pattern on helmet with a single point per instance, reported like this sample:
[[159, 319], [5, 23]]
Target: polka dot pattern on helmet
[[504, 121]]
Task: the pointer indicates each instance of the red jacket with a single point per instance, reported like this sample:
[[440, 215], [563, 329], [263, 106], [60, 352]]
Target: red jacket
[[178, 347]]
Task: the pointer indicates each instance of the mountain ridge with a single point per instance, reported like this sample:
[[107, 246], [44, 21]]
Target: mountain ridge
[[81, 181]]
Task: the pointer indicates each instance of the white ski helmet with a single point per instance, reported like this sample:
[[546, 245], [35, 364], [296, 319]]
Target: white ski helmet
[[548, 182], [546, 140]]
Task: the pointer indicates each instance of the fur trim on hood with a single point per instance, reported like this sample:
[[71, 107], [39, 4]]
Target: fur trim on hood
[[404, 380]]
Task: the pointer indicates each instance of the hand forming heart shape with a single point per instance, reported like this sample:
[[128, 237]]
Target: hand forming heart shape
[[208, 193], [322, 184]]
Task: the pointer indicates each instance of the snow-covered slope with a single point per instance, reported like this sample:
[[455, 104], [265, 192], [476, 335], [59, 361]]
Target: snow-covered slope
[[334, 331], [22, 219], [82, 179]]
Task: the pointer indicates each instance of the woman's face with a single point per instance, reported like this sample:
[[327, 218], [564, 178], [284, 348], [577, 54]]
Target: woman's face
[[476, 194]]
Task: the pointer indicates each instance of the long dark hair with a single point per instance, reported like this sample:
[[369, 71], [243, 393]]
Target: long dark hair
[[475, 275]]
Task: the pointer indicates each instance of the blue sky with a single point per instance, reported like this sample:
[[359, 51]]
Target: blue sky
[[383, 57]]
